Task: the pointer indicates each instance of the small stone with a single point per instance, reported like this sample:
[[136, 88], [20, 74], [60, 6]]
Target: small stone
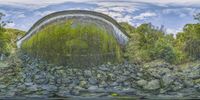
[[41, 78], [121, 79], [126, 73], [167, 79], [114, 84], [117, 88], [63, 93], [87, 73], [75, 81], [2, 86], [11, 93], [188, 82], [142, 82], [75, 92], [126, 84], [103, 84], [83, 84], [103, 68], [66, 81], [28, 84], [49, 87], [177, 86], [163, 91], [93, 88], [33, 88], [92, 81], [98, 75], [3, 65], [152, 85]]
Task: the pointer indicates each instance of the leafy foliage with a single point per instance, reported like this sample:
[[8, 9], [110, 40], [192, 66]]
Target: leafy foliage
[[149, 43], [188, 41], [8, 37]]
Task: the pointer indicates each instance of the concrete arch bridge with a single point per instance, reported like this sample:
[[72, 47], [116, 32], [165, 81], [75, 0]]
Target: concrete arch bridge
[[75, 37]]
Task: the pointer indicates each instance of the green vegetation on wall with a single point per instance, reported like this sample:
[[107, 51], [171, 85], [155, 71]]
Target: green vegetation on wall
[[73, 43]]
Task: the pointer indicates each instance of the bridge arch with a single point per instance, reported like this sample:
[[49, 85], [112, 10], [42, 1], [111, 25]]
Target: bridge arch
[[120, 34], [97, 38]]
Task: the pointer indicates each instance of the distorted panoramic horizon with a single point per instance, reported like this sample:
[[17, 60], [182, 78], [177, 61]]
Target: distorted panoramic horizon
[[99, 49], [172, 14]]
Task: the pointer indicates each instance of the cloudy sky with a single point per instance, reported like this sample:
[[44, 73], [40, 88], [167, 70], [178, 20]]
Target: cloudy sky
[[173, 14]]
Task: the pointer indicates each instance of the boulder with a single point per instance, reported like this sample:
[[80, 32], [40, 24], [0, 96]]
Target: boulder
[[141, 82], [152, 85]]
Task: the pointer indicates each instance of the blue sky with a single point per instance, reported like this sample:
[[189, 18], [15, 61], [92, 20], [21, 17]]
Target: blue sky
[[173, 14]]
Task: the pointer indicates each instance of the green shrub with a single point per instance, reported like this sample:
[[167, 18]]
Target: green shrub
[[148, 43], [163, 50], [192, 48]]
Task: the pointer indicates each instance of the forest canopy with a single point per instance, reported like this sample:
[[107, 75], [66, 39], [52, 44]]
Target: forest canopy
[[8, 37], [149, 43]]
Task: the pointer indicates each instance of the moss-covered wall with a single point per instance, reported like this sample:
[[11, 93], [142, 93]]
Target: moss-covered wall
[[73, 43]]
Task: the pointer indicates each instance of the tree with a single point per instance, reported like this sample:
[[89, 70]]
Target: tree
[[197, 17], [2, 23], [192, 48], [2, 35], [188, 41], [7, 37], [149, 43]]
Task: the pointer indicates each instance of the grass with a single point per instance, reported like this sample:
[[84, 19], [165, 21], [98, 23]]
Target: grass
[[74, 43]]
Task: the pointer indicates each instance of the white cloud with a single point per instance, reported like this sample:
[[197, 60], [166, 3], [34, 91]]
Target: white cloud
[[173, 31], [21, 16], [35, 4], [119, 13], [122, 9], [118, 6], [110, 13], [38, 2], [10, 25], [102, 2], [182, 15], [38, 13], [78, 8], [144, 15], [181, 12], [117, 16], [180, 2], [114, 5], [126, 18]]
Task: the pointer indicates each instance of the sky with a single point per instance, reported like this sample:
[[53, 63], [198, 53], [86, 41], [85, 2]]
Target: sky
[[173, 14]]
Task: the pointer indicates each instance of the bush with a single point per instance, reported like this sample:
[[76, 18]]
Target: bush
[[163, 50], [192, 48]]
